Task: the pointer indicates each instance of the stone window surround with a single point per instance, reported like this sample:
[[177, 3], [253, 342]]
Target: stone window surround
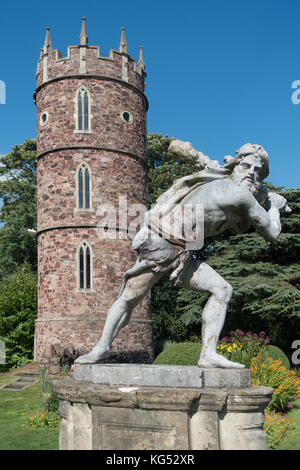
[[130, 116], [43, 123], [84, 244], [83, 209], [76, 114]]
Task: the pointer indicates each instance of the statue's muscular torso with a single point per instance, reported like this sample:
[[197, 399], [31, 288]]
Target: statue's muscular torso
[[225, 207]]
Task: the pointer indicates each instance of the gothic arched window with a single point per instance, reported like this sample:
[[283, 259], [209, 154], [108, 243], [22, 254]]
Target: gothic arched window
[[83, 187], [83, 110], [84, 267]]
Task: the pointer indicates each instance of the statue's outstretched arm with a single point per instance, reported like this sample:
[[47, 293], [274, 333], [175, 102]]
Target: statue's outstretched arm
[[267, 223], [184, 151]]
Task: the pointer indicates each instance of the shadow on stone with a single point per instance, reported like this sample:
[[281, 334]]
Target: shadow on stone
[[128, 357]]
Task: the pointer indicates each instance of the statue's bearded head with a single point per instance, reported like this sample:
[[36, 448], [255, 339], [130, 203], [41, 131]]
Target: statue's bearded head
[[250, 167]]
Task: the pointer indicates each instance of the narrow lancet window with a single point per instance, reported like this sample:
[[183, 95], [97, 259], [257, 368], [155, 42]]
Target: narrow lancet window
[[83, 110], [80, 111], [87, 188], [88, 268], [84, 267], [81, 269], [86, 111], [80, 189], [83, 183]]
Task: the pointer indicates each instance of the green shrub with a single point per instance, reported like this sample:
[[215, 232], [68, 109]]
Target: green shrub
[[238, 347], [276, 426], [18, 311], [277, 354], [242, 347], [48, 398], [162, 344], [49, 419], [48, 415], [186, 354], [269, 373]]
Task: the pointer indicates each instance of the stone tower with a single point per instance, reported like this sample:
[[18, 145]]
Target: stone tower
[[91, 155]]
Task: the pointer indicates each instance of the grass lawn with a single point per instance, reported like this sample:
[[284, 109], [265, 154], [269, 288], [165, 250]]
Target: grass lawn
[[13, 436], [292, 440]]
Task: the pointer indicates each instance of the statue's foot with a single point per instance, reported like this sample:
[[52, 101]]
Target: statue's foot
[[92, 357], [217, 360]]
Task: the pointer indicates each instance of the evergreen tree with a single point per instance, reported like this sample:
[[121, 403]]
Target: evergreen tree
[[18, 211], [162, 170]]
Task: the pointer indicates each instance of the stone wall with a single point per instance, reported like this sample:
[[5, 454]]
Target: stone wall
[[114, 176], [108, 100]]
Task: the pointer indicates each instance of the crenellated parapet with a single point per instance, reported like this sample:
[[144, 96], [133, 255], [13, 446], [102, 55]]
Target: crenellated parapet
[[114, 86], [85, 60]]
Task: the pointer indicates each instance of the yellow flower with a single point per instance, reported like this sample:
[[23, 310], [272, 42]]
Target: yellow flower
[[229, 349], [31, 418]]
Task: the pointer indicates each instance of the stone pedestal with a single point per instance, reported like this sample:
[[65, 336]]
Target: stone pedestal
[[123, 407]]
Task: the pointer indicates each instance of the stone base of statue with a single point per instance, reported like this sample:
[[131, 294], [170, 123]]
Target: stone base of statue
[[146, 407]]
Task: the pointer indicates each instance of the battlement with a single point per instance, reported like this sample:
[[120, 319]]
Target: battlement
[[84, 60]]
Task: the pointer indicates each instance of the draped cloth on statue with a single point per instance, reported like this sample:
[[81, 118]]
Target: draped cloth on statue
[[162, 244], [158, 249], [166, 218]]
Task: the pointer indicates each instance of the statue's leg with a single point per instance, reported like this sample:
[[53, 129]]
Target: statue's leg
[[119, 314], [201, 277]]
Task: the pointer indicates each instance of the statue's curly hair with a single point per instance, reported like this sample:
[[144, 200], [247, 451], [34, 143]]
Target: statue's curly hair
[[250, 149]]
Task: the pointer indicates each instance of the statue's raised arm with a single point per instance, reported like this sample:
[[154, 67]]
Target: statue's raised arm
[[184, 151]]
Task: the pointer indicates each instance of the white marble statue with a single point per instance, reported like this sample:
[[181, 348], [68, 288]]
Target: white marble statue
[[231, 196]]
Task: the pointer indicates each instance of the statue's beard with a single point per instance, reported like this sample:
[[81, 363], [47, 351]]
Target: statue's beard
[[253, 186]]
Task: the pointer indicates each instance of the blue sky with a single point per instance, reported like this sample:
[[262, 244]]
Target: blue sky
[[219, 73]]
